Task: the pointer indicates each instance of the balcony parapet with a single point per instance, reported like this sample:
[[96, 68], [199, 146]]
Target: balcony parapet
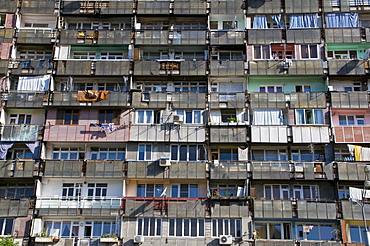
[[229, 170], [347, 66], [353, 99], [351, 134], [227, 37], [23, 99], [228, 100], [31, 66], [35, 36], [97, 7], [14, 207], [21, 133], [19, 169]]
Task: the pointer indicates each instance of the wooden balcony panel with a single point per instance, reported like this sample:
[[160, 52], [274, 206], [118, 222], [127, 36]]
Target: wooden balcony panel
[[66, 67], [316, 210], [227, 7], [351, 134], [232, 100], [156, 100], [266, 100], [352, 211], [229, 170], [38, 6], [276, 209], [353, 99], [269, 134], [76, 133], [35, 36], [303, 36], [351, 171], [6, 35], [114, 37], [32, 67], [153, 7], [270, 170], [20, 133], [311, 134], [269, 67], [228, 134], [185, 100], [227, 67], [227, 37], [189, 37], [63, 168], [14, 207], [78, 37], [18, 169], [104, 169], [190, 7], [4, 66], [308, 67], [8, 6], [112, 68], [165, 133], [264, 36], [346, 67], [301, 6], [267, 7], [342, 35]]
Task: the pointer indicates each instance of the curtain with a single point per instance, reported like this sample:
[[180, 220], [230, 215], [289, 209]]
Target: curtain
[[34, 148], [268, 117], [276, 19], [37, 83], [215, 116], [335, 20], [243, 154], [4, 146], [305, 21], [260, 22]]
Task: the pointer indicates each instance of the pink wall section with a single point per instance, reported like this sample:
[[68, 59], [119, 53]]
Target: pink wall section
[[10, 20], [336, 112], [5, 50]]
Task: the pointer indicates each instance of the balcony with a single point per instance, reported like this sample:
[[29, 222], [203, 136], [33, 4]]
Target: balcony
[[6, 34], [63, 168], [313, 170], [269, 7], [265, 36], [273, 209], [353, 99], [351, 134], [270, 170], [316, 210], [152, 100], [14, 207], [352, 211], [191, 7], [311, 134], [301, 6], [8, 6], [35, 36], [168, 133], [228, 134], [74, 67], [97, 7], [266, 67], [177, 170], [188, 37], [227, 67], [19, 169], [342, 35], [83, 133], [303, 36], [267, 100], [152, 37], [278, 242], [104, 169], [227, 7], [170, 67], [227, 37], [114, 36], [66, 98], [229, 209], [21, 133], [229, 170], [346, 67], [34, 67], [4, 64], [227, 100], [353, 171], [78, 37], [102, 37], [96, 67], [39, 7], [59, 206], [307, 100], [153, 7], [307, 67], [109, 68], [269, 134], [194, 100]]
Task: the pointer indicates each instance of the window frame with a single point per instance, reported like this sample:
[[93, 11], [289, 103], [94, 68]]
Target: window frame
[[188, 193], [108, 151], [186, 225], [148, 152], [156, 189], [176, 152], [302, 88], [305, 115], [301, 189], [94, 188], [74, 188], [320, 234], [147, 223], [216, 228], [356, 120], [192, 116], [309, 51], [269, 188], [16, 119], [4, 226], [66, 150], [146, 119], [279, 152], [265, 88], [283, 226]]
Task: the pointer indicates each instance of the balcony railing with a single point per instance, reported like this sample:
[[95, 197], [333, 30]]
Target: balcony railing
[[311, 134], [97, 67], [303, 36], [351, 171], [276, 209], [227, 37], [35, 36], [276, 242], [352, 211], [229, 170], [14, 207], [6, 34], [227, 67], [19, 169], [353, 99], [228, 134], [227, 7], [34, 67], [229, 208], [266, 67], [21, 133], [342, 35], [270, 7], [97, 7], [266, 100], [316, 210], [153, 37], [8, 6], [269, 134], [188, 37], [173, 67], [307, 100], [313, 170], [192, 100], [308, 67], [104, 169], [17, 99], [228, 100], [101, 37], [270, 170], [351, 134], [346, 67], [265, 36], [39, 7], [191, 7], [301, 6], [63, 168], [153, 7]]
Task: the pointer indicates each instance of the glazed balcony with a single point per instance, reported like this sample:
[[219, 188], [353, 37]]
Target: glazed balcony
[[6, 35], [311, 134], [66, 98], [33, 67], [269, 134], [307, 100], [273, 209], [351, 171], [170, 67], [14, 207], [35, 36], [177, 170], [265, 36], [351, 134], [316, 209], [8, 6], [342, 35], [267, 100], [227, 7], [228, 134], [270, 170], [312, 170], [352, 211], [229, 208], [4, 64], [280, 67], [270, 7], [227, 67], [83, 133], [347, 67], [19, 169], [161, 206], [97, 7], [78, 205], [229, 170], [303, 36], [227, 37], [352, 99], [39, 6], [102, 37], [194, 133], [227, 100], [153, 7], [63, 168], [21, 133], [96, 67], [191, 7]]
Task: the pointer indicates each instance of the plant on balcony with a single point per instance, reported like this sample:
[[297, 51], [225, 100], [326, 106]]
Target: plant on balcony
[[109, 238], [43, 237], [232, 120], [7, 241]]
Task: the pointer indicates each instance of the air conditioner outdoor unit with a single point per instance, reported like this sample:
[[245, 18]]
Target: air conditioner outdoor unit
[[138, 239], [164, 161], [226, 240], [178, 119]]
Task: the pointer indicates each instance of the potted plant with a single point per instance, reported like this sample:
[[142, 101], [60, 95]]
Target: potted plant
[[43, 237], [232, 120], [109, 238]]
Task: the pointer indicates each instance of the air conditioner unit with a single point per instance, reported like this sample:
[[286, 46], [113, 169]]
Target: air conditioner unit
[[138, 239], [226, 240], [164, 161], [178, 119]]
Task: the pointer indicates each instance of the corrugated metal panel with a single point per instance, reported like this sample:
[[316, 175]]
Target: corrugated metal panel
[[227, 67], [308, 100], [270, 67], [63, 168], [266, 7], [312, 67], [227, 37], [350, 99], [190, 7], [346, 67], [267, 100], [310, 134], [264, 36], [342, 35], [269, 134]]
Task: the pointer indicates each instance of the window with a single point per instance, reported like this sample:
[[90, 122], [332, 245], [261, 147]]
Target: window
[[350, 120], [225, 190], [149, 190], [306, 191], [84, 55], [356, 87], [68, 117], [307, 155], [309, 116], [20, 119], [149, 227], [189, 55], [186, 227], [357, 234], [184, 190], [271, 88], [213, 25], [227, 115], [343, 192], [108, 153], [225, 154], [229, 25], [24, 153], [99, 228], [302, 88], [36, 25], [6, 226], [67, 154], [144, 152], [282, 51], [316, 232], [99, 25], [109, 116], [276, 191], [97, 189], [227, 227], [17, 190], [309, 51], [190, 26], [188, 153], [71, 189], [343, 155], [261, 52], [35, 54], [112, 55], [70, 229], [273, 230], [145, 116], [190, 86], [229, 55], [342, 54], [2, 19], [191, 117], [269, 155]]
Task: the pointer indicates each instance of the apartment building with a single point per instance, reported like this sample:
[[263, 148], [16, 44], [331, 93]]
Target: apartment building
[[183, 122]]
